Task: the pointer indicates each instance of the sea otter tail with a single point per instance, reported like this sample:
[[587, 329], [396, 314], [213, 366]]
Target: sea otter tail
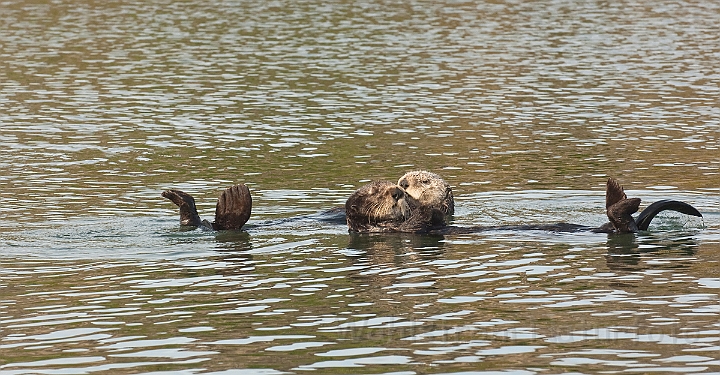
[[643, 220], [233, 208], [188, 213]]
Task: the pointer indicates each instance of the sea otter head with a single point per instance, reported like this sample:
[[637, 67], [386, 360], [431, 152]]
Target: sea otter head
[[379, 206], [429, 189]]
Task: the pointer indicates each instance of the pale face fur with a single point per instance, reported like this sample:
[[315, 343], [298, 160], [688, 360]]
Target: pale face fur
[[429, 189]]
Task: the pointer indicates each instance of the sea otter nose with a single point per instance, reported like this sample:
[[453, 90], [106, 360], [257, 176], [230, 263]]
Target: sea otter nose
[[403, 183], [397, 194]]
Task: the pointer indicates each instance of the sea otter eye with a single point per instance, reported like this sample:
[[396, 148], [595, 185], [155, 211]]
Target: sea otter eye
[[425, 182], [404, 184]]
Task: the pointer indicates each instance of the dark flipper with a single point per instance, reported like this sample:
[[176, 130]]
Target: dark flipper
[[614, 192], [186, 203], [233, 208], [620, 208], [646, 216], [620, 215]]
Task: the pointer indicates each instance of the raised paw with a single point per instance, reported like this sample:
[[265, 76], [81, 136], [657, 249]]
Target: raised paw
[[233, 208], [186, 203]]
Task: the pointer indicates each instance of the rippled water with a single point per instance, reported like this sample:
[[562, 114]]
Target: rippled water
[[524, 107]]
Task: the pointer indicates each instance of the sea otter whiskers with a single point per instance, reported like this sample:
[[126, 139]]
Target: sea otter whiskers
[[429, 189], [231, 212]]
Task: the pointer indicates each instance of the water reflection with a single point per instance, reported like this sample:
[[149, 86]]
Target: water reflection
[[628, 252], [386, 302], [394, 247], [233, 241]]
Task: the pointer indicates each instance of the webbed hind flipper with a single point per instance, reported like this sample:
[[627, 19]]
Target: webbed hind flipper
[[233, 208], [619, 208], [186, 203], [614, 192], [620, 215]]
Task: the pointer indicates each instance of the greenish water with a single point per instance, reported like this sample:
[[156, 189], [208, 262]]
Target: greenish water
[[525, 108]]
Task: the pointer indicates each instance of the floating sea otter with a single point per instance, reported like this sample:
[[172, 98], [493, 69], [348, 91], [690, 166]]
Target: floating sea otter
[[381, 207], [420, 203]]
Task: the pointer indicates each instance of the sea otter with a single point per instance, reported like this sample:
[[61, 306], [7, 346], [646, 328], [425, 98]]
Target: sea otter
[[231, 212], [380, 207], [383, 206]]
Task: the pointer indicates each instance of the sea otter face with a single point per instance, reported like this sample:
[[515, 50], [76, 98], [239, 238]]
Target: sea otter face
[[376, 207], [429, 189]]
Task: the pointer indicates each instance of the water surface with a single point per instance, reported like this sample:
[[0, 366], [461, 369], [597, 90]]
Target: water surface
[[525, 108]]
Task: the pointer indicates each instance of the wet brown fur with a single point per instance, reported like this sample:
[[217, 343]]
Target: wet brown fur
[[374, 208], [383, 206]]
